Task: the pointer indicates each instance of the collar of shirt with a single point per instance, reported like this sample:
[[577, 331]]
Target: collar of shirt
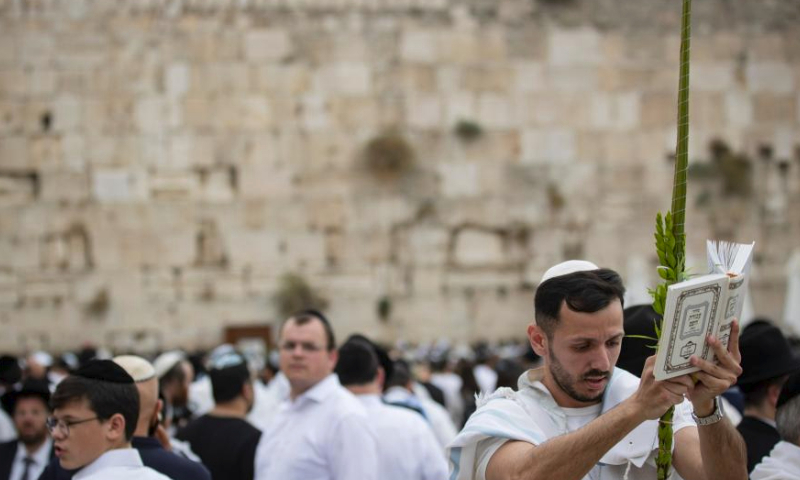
[[319, 392], [636, 447], [146, 443], [370, 400], [120, 457], [41, 457]]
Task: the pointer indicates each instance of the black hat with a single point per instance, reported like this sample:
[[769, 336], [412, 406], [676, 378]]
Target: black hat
[[765, 354], [638, 320], [790, 389], [30, 388], [105, 371]]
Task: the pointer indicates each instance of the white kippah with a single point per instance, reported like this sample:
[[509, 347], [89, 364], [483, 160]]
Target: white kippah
[[137, 367], [164, 362], [570, 266]]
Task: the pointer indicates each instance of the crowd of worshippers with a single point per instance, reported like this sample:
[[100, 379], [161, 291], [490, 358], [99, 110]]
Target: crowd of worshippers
[[357, 410]]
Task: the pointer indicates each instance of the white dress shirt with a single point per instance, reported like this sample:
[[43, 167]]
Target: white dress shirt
[[407, 448], [119, 464], [783, 463], [40, 457], [323, 434], [439, 420]]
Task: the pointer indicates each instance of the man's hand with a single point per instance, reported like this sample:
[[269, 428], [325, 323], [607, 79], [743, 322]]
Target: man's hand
[[714, 379], [653, 397]]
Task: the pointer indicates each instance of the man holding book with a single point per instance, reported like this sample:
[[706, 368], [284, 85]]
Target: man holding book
[[579, 417]]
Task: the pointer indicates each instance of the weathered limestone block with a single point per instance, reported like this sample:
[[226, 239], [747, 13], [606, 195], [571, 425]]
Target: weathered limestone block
[[459, 179], [658, 110], [314, 114], [577, 78], [119, 185], [177, 79], [572, 47], [424, 111], [343, 79], [769, 108], [11, 118], [355, 113], [37, 48], [637, 78], [460, 106], [716, 76], [255, 113], [67, 114], [65, 186], [267, 45], [173, 185], [770, 77], [529, 77], [282, 79], [217, 185], [556, 109], [459, 46], [419, 46], [414, 77], [266, 181], [496, 111], [13, 82], [707, 108], [738, 108], [615, 111], [41, 82], [487, 78], [474, 248], [151, 114], [555, 145]]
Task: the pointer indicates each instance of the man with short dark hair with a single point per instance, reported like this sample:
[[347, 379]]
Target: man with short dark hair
[[767, 361], [321, 431], [95, 412], [407, 448], [580, 418], [783, 462], [222, 438], [26, 457]]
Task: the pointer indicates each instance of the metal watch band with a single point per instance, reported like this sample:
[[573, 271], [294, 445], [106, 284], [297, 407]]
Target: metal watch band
[[715, 416]]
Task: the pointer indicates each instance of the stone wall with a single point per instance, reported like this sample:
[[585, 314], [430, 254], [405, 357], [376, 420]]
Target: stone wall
[[164, 163]]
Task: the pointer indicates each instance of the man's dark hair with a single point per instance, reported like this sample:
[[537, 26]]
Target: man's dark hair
[[105, 399], [304, 316], [357, 364], [176, 374], [227, 383], [756, 393], [585, 291], [400, 376]]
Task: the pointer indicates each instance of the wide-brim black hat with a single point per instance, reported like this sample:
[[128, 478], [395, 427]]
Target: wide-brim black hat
[[638, 320], [766, 354], [30, 388]]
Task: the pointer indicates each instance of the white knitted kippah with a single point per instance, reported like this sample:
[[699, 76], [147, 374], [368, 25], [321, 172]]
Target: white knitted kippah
[[137, 367], [570, 266]]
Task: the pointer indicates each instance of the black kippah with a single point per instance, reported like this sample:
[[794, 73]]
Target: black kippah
[[104, 370]]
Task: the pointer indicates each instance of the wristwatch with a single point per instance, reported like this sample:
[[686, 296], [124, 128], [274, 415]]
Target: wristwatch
[[715, 416]]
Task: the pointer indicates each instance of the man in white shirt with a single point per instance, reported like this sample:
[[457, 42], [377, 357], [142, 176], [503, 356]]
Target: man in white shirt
[[579, 417], [95, 412], [321, 431], [783, 462], [407, 448], [26, 457]]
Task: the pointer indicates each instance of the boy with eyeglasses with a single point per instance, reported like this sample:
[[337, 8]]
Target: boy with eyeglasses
[[95, 411]]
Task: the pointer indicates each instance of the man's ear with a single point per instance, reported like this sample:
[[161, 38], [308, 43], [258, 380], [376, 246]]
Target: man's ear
[[773, 392], [115, 431], [154, 419], [538, 340], [381, 377]]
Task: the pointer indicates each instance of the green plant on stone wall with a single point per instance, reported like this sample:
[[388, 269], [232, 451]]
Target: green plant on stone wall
[[389, 155], [468, 130], [294, 294], [384, 307], [732, 170]]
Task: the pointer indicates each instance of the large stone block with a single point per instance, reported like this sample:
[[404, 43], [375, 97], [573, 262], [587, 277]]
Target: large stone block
[[474, 248], [13, 83], [556, 145], [707, 109], [574, 47], [572, 78], [738, 108], [315, 115], [497, 111], [65, 186], [267, 45], [266, 181], [424, 111], [658, 109], [459, 179], [771, 108], [37, 48], [615, 111], [11, 118], [177, 78], [716, 76], [14, 152], [282, 79], [419, 46], [460, 106], [67, 113], [41, 82], [496, 79], [529, 77], [119, 185], [771, 77], [343, 79], [151, 114]]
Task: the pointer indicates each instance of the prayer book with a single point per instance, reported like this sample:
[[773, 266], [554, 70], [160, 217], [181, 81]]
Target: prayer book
[[702, 306]]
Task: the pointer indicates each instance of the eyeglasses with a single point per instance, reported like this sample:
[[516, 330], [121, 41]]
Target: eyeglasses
[[62, 426], [304, 346]]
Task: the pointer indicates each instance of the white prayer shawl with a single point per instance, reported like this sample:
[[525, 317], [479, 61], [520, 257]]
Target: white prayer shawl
[[532, 415], [783, 463]]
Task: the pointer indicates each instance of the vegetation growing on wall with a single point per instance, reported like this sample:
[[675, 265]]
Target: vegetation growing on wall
[[294, 294]]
